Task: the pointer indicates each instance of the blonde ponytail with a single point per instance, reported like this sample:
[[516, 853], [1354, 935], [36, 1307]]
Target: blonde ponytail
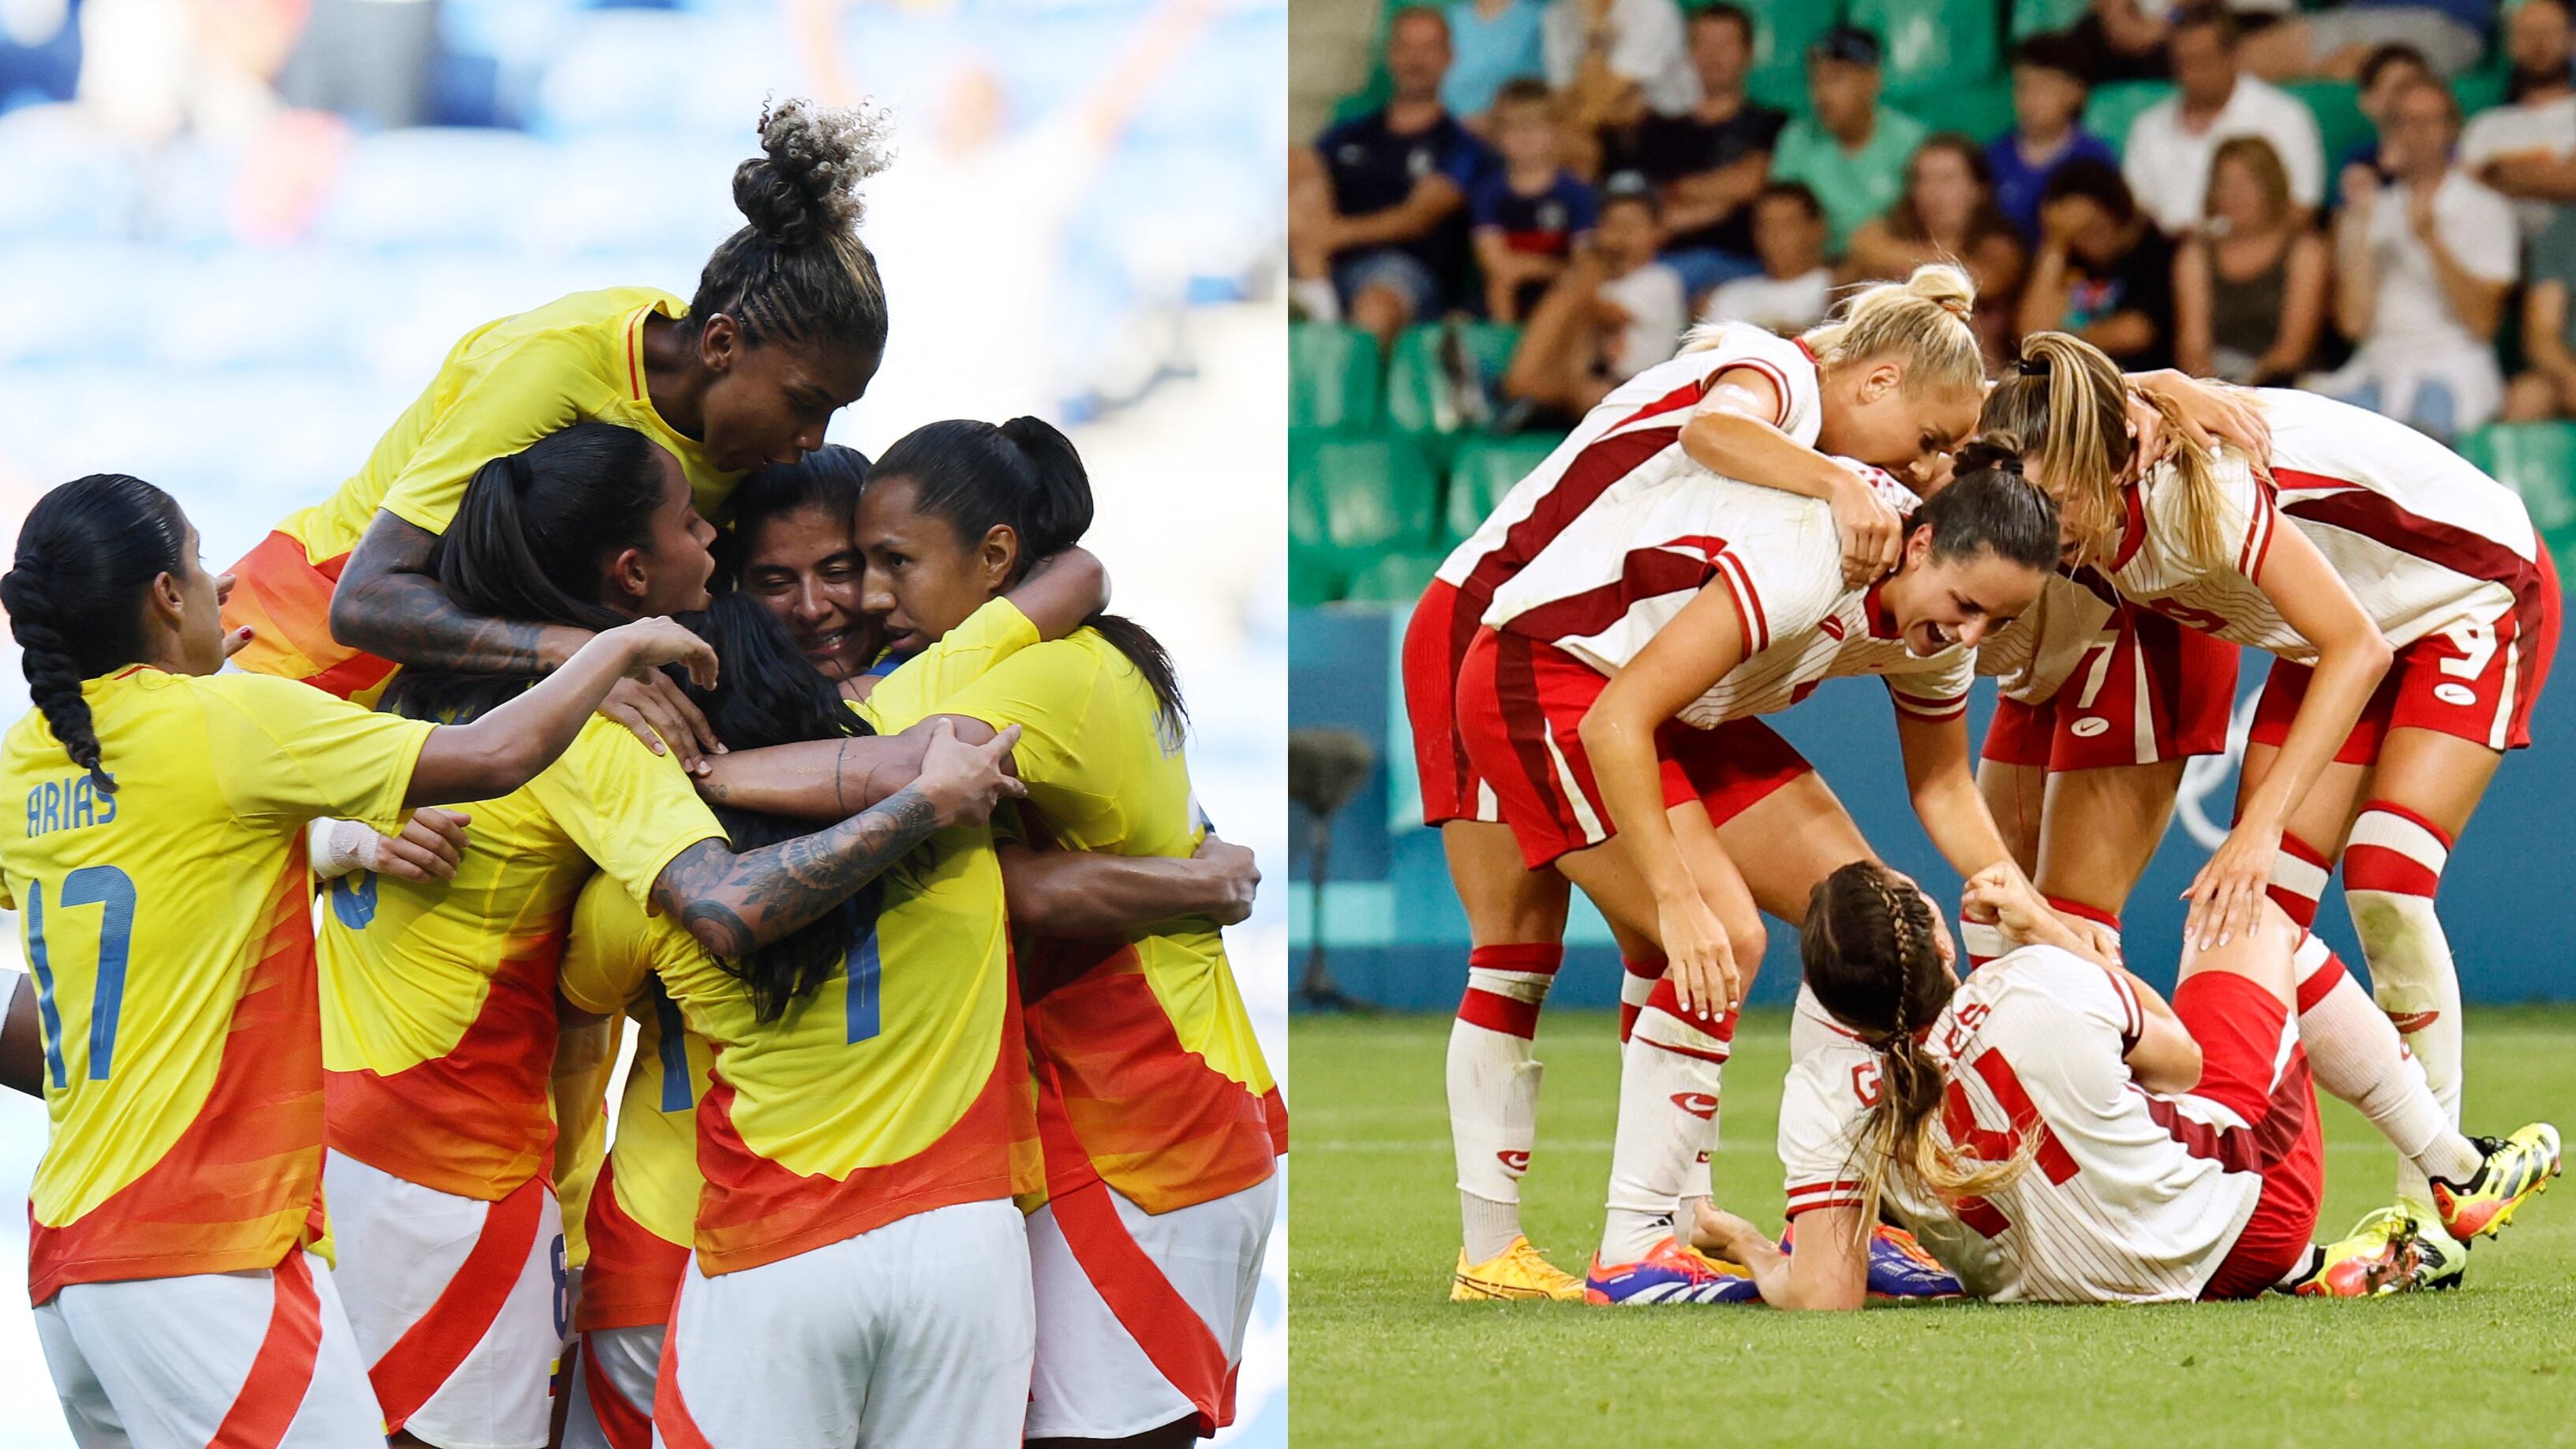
[[2070, 401]]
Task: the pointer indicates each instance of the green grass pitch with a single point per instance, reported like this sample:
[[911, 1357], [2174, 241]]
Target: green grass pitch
[[1381, 1358]]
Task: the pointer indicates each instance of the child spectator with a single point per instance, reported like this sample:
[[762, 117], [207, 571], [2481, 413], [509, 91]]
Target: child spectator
[[2048, 109], [1492, 42], [1531, 214], [1616, 312], [2548, 389], [2421, 272], [1709, 162], [1377, 226], [1851, 151], [2250, 285], [1795, 288], [1947, 214], [2103, 271], [2170, 146]]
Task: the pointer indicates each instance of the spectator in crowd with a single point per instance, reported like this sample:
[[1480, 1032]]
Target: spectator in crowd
[[1616, 312], [1530, 214], [1851, 151], [1709, 162], [1795, 288], [1377, 226], [2548, 389], [2422, 267], [2523, 147], [1947, 214], [1492, 42], [2250, 285], [2120, 40], [2388, 70], [1616, 56], [2103, 271], [2048, 112], [2170, 146]]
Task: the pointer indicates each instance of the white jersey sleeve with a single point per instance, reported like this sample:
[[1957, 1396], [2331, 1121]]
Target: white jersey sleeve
[[1936, 691], [1785, 577], [2246, 517], [1785, 361], [1828, 1093]]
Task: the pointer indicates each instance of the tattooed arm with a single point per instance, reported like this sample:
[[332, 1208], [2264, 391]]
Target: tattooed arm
[[733, 903], [389, 603]]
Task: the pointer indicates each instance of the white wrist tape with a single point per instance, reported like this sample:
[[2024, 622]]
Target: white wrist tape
[[337, 847]]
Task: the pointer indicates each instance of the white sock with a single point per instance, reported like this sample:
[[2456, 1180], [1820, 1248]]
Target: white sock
[[1668, 1099], [2355, 1055], [2392, 869], [1493, 1087], [1979, 942]]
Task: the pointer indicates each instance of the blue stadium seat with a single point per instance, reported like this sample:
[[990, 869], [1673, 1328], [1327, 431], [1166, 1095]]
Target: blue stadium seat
[[656, 71], [437, 187], [77, 304], [62, 177], [622, 192], [265, 307]]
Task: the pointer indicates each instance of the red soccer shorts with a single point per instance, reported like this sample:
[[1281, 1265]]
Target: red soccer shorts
[[2153, 690]]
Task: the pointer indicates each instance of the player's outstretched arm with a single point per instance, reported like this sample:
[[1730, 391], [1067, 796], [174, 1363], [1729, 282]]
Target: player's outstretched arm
[[389, 603], [22, 1042], [1079, 893], [1941, 780], [831, 779], [1830, 1270], [506, 747], [734, 903]]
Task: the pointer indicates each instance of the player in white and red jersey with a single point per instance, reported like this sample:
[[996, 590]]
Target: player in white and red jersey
[[2088, 1143], [2397, 546], [1713, 604], [1893, 381]]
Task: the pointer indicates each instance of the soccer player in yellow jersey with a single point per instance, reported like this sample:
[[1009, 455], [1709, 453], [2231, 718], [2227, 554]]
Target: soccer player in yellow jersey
[[787, 327], [165, 807], [438, 1019]]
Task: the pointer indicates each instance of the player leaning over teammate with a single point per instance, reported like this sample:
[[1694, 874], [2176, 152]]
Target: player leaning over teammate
[[2397, 550], [439, 1001], [173, 1209], [2092, 1144], [787, 326]]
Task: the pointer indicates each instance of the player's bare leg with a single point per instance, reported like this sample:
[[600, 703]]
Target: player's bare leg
[[2316, 830], [1516, 927], [2017, 797], [1784, 844]]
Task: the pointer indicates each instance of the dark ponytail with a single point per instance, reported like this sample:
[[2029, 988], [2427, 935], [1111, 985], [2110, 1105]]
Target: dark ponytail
[[1025, 475], [1991, 507], [768, 695], [799, 272], [529, 543], [86, 552]]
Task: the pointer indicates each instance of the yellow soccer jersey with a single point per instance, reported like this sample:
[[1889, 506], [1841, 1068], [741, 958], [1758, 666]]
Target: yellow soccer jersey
[[505, 385], [1142, 1043], [438, 997], [185, 1098], [645, 1206]]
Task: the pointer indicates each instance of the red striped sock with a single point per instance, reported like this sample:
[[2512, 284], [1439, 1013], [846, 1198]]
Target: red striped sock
[[1642, 975], [2299, 875]]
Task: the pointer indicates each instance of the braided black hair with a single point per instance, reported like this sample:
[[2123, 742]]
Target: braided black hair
[[1026, 475], [799, 272], [85, 554]]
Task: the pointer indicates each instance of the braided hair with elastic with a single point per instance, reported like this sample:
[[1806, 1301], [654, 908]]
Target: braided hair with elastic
[[85, 554]]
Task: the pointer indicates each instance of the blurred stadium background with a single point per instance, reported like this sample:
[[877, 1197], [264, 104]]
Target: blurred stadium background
[[239, 234]]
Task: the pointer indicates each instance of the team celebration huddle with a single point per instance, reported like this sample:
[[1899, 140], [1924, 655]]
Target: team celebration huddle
[[2005, 1111], [606, 700]]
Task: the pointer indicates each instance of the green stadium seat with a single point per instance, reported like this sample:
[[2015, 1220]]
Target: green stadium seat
[[1360, 495], [1483, 470], [1782, 30], [2046, 17], [2340, 123], [1414, 386], [1981, 113], [1314, 577], [2537, 461], [2479, 90], [1333, 377], [1932, 45], [1393, 578], [2115, 106]]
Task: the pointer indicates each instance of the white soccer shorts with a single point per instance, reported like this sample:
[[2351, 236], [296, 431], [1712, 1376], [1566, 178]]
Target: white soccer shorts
[[612, 1392]]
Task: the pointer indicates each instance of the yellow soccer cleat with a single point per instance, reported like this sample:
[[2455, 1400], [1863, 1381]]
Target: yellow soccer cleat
[[1516, 1272], [2384, 1253], [2516, 1168]]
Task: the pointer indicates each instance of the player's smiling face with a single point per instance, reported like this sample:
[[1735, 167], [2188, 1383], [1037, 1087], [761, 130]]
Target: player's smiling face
[[923, 580], [1938, 602], [804, 566]]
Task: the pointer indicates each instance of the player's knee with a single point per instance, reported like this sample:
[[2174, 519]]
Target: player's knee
[[1748, 940]]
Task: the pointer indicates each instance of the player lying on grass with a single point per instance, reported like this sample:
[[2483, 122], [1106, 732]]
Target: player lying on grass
[[2055, 1132]]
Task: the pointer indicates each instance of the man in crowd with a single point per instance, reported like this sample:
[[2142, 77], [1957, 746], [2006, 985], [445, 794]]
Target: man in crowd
[[1709, 162], [2422, 267], [2526, 148], [2103, 271], [2171, 145], [1377, 224], [1852, 151]]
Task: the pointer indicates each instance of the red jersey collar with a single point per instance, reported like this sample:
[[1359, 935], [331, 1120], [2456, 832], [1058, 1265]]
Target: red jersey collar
[[2133, 526], [1876, 615]]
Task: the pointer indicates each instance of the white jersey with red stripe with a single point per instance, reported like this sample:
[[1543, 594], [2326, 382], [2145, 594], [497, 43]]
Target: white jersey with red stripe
[[2042, 648], [1631, 440], [2117, 1204], [1619, 573], [2426, 542]]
